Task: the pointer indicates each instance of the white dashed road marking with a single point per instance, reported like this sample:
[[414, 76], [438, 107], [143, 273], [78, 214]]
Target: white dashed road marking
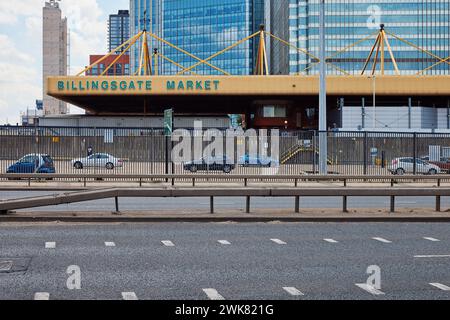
[[441, 286], [382, 240], [278, 241], [50, 245], [225, 242], [168, 243], [432, 239], [110, 244], [213, 294], [293, 291], [330, 240], [129, 296], [41, 296], [370, 289], [433, 256]]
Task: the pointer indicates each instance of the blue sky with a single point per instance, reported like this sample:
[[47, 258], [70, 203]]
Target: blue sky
[[21, 46]]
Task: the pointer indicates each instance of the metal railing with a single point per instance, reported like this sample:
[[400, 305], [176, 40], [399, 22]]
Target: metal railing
[[197, 179], [143, 150]]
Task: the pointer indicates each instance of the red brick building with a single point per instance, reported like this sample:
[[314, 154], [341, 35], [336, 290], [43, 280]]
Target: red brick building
[[120, 68]]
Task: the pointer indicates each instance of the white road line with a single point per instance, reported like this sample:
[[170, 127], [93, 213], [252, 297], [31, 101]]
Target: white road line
[[433, 256], [370, 289], [129, 296], [168, 243], [293, 291], [213, 294], [50, 245], [441, 286], [331, 240], [278, 241], [382, 240], [110, 244], [225, 242], [432, 239], [42, 296]]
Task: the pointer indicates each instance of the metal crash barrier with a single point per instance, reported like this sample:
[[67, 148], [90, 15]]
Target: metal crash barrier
[[247, 192]]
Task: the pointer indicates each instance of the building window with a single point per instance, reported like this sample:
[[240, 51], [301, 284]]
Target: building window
[[274, 112]]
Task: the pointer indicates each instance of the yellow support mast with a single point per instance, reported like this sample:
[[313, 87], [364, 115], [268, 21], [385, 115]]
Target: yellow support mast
[[262, 64], [380, 43]]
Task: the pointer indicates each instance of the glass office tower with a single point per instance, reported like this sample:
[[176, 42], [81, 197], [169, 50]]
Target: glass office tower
[[425, 23], [201, 27], [118, 30]]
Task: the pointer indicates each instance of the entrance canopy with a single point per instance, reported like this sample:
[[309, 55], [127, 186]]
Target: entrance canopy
[[227, 94]]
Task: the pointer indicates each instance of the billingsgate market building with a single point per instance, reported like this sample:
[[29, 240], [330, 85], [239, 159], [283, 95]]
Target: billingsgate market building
[[365, 101]]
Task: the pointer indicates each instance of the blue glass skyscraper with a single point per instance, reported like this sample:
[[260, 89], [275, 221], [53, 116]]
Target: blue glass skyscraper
[[203, 28], [424, 23]]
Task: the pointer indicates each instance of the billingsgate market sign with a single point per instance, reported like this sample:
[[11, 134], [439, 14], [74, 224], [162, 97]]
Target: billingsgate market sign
[[136, 85]]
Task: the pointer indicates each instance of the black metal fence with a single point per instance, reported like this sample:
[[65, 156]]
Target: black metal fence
[[147, 151]]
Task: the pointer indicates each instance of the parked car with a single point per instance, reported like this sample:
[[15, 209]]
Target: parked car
[[98, 160], [443, 163], [258, 161], [401, 166], [33, 163], [217, 163]]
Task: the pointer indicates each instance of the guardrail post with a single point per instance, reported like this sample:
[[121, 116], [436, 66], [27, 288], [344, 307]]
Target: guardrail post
[[247, 205], [297, 204], [438, 203], [211, 204], [344, 204], [392, 204]]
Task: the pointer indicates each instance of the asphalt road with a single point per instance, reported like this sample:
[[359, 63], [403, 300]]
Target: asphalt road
[[261, 261], [161, 204]]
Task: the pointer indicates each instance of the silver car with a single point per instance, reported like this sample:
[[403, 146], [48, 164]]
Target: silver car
[[400, 166], [99, 160]]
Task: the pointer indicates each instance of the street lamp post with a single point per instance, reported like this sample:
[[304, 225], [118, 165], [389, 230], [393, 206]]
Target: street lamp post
[[323, 148]]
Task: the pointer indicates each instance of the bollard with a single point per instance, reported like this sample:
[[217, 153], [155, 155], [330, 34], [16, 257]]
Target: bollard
[[245, 182], [247, 205], [193, 182], [438, 203], [297, 204], [392, 204], [211, 205], [296, 183], [344, 204], [117, 204]]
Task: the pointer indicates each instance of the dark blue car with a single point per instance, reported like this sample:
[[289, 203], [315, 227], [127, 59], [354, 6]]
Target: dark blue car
[[33, 163]]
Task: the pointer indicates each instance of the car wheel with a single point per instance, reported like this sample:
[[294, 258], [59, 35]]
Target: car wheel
[[193, 169], [78, 165], [109, 166], [400, 172], [432, 172], [227, 169]]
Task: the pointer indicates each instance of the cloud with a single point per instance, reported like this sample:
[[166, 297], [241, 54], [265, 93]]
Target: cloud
[[21, 48], [12, 12]]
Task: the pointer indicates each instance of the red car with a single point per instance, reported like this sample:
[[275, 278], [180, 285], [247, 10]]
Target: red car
[[443, 164]]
